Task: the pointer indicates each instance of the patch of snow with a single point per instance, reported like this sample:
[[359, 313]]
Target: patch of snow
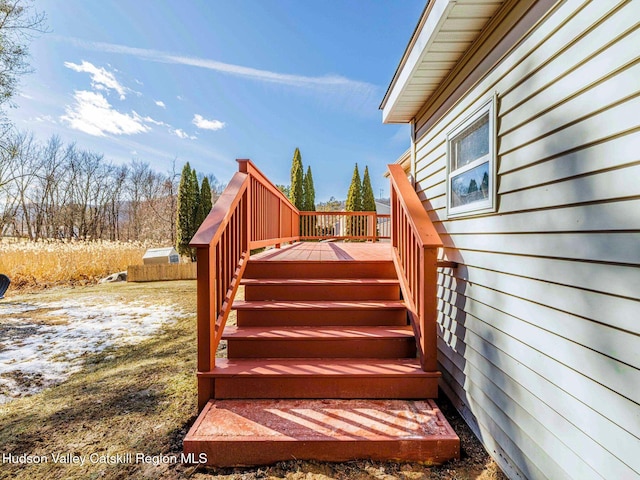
[[15, 308], [35, 355]]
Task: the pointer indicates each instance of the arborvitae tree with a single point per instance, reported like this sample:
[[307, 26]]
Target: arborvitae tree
[[308, 224], [309, 203], [296, 189], [368, 203], [354, 197], [195, 210], [204, 207], [354, 204], [484, 186], [368, 199], [187, 204]]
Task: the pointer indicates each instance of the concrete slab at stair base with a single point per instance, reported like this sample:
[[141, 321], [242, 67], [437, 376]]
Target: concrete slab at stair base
[[261, 432]]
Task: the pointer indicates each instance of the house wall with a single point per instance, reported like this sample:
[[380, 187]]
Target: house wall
[[539, 326]]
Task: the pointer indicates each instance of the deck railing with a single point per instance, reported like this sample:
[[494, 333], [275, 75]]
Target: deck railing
[[344, 226], [250, 213], [415, 253], [273, 218]]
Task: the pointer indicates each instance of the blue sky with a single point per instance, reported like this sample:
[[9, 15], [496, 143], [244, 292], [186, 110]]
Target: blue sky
[[211, 81]]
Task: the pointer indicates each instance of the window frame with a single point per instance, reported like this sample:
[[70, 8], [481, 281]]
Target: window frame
[[484, 206]]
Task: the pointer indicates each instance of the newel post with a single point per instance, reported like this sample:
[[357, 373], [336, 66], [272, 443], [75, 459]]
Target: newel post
[[371, 222], [428, 314], [243, 167], [206, 301]]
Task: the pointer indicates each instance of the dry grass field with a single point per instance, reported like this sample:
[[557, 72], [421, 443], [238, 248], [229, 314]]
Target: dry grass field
[[50, 263]]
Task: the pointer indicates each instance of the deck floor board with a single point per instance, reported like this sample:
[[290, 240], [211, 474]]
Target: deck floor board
[[327, 252]]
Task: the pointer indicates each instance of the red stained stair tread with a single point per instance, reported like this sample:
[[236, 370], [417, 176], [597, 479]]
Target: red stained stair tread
[[319, 305], [317, 333], [324, 367]]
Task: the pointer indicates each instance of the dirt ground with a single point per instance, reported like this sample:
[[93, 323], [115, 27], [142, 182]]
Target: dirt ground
[[142, 398]]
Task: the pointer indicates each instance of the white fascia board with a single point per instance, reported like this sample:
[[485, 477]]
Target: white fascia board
[[437, 15]]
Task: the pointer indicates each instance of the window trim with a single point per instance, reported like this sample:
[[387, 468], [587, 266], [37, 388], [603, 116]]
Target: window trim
[[489, 205]]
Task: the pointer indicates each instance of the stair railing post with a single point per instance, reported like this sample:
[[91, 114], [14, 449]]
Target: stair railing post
[[371, 229], [243, 166], [206, 301], [428, 289]]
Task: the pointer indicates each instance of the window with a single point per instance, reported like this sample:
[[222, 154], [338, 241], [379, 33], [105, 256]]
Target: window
[[471, 164]]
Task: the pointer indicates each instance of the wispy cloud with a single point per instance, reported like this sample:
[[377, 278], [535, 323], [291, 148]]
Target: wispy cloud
[[160, 103], [325, 81], [148, 119], [101, 79], [178, 132], [201, 122], [45, 119], [91, 113]]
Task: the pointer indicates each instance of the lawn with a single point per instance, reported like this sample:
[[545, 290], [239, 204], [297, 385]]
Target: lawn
[[120, 398]]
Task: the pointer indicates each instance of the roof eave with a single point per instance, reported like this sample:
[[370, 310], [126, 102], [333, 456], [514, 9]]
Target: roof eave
[[407, 93]]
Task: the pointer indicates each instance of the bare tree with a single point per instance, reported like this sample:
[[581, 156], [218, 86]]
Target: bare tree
[[19, 22], [53, 190]]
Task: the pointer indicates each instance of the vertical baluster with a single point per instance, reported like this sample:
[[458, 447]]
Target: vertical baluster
[[259, 211], [219, 276], [281, 224], [255, 212], [263, 206], [236, 239], [416, 266], [227, 249]]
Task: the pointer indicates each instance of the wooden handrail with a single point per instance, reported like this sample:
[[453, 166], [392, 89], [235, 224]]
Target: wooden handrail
[[415, 244], [250, 213], [213, 226], [416, 214]]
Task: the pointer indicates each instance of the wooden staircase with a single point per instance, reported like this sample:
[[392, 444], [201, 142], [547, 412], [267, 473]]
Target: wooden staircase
[[328, 360], [309, 331]]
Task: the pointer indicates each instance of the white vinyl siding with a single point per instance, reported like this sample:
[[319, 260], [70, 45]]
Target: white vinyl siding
[[540, 324]]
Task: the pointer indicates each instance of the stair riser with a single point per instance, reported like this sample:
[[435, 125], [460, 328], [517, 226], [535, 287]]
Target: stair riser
[[247, 452], [272, 269], [264, 318], [296, 348], [322, 292], [326, 387]]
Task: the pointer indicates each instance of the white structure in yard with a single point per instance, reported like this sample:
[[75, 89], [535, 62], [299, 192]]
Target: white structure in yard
[[525, 150], [155, 256]]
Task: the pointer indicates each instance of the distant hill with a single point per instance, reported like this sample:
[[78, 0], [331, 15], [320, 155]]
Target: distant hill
[[333, 205]]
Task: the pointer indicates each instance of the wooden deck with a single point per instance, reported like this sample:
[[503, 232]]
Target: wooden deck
[[327, 252]]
